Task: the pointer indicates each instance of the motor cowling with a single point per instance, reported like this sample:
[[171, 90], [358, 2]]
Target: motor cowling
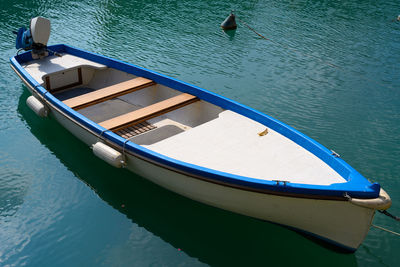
[[24, 39], [35, 38]]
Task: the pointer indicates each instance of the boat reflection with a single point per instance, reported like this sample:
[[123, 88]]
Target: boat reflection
[[214, 236]]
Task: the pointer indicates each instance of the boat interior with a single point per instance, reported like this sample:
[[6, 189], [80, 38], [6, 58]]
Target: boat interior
[[177, 124]]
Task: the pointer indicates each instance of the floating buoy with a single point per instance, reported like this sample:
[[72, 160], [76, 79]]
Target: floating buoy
[[229, 23], [37, 106], [398, 18]]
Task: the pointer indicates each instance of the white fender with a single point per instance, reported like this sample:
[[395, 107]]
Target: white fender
[[383, 202], [37, 106], [108, 154]]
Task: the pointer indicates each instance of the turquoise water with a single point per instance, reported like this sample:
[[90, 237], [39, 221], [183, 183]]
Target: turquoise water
[[61, 206]]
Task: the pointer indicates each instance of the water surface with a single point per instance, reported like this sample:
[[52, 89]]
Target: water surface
[[61, 206]]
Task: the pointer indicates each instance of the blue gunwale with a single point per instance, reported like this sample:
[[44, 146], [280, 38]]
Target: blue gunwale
[[356, 186]]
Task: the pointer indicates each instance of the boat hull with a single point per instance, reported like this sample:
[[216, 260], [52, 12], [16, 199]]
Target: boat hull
[[338, 222], [323, 212]]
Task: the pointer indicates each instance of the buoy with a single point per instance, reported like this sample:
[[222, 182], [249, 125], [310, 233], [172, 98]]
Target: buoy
[[398, 18], [37, 106], [108, 154], [229, 23]]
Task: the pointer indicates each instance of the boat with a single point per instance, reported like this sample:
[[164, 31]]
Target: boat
[[196, 143]]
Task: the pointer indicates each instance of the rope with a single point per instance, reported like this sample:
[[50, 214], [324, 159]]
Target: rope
[[386, 230], [311, 56], [389, 215], [247, 25], [100, 136], [19, 50], [123, 162], [286, 46]]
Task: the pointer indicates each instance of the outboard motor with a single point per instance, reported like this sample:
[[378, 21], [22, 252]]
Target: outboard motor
[[35, 38]]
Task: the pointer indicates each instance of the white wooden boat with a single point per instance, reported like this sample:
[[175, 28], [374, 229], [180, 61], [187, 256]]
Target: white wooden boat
[[198, 144]]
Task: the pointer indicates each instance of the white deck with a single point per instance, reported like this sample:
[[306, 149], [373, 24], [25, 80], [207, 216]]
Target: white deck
[[231, 144], [39, 68]]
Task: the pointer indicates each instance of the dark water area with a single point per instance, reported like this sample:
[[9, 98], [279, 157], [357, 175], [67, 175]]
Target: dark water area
[[331, 70]]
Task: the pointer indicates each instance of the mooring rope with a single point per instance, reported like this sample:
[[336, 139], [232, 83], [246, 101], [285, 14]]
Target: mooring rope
[[247, 25], [286, 46], [390, 215], [384, 229], [311, 56]]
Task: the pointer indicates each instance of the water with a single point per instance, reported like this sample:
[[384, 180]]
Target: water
[[61, 206]]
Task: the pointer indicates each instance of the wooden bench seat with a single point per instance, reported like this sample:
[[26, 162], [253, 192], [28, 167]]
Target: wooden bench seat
[[108, 93], [148, 112]]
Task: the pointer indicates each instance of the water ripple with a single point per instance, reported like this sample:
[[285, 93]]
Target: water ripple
[[49, 215]]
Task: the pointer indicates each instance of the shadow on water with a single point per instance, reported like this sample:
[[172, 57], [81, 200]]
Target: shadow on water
[[214, 236], [230, 33]]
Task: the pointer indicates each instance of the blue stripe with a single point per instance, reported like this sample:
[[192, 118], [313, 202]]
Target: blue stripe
[[356, 186]]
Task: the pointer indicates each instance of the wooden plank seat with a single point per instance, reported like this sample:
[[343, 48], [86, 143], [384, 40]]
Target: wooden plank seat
[[148, 112], [108, 93]]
